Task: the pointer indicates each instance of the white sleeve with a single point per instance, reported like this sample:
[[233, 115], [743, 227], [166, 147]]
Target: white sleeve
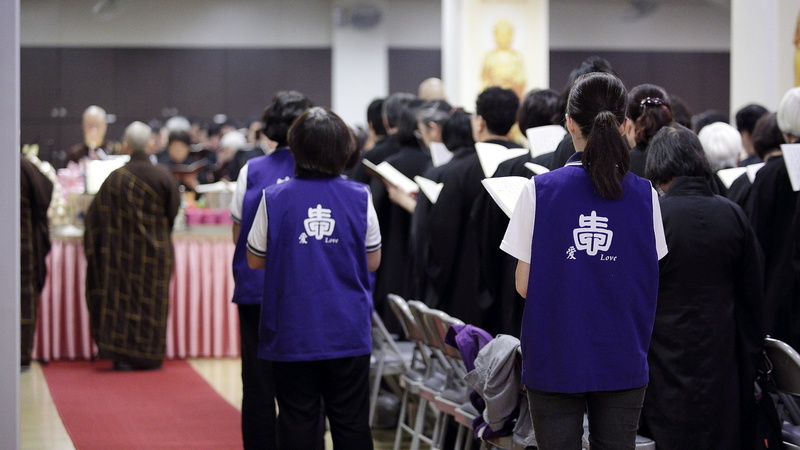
[[238, 195], [257, 239], [658, 227], [373, 241], [519, 234]]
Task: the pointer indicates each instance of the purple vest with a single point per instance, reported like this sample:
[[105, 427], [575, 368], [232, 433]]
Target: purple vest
[[262, 171], [317, 303], [593, 286]]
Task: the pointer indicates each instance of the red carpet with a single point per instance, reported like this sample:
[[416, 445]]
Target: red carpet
[[168, 408]]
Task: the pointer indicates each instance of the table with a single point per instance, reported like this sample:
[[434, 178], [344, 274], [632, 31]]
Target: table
[[202, 320]]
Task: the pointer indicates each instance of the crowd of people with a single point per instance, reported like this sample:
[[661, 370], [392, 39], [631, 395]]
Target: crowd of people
[[640, 279]]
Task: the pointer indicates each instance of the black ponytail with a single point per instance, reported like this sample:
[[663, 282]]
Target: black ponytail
[[597, 104], [606, 156]]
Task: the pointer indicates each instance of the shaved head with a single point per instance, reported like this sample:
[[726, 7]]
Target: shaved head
[[431, 89]]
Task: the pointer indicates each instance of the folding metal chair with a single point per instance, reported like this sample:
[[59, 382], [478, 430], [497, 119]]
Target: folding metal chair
[[786, 375], [387, 362], [421, 367], [454, 392]]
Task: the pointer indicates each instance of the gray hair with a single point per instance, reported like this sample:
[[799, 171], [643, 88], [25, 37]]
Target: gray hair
[[722, 144], [789, 112], [137, 137], [393, 106], [178, 123]]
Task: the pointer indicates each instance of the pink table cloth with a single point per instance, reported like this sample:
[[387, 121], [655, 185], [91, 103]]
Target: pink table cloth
[[202, 320]]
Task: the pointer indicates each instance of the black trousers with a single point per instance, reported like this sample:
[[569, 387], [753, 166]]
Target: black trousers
[[613, 418], [259, 422], [343, 385]]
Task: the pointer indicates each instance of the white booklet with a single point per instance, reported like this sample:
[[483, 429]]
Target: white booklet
[[537, 169], [430, 188], [545, 139], [440, 154], [491, 155], [752, 170], [791, 157], [389, 173], [505, 191], [728, 176]]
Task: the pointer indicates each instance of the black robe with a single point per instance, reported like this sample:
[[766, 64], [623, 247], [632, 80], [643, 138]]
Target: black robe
[[707, 335], [452, 262], [395, 273], [376, 155], [771, 208], [638, 160], [35, 193], [497, 285], [739, 191]]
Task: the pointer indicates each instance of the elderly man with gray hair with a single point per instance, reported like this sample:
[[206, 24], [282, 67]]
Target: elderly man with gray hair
[[129, 255]]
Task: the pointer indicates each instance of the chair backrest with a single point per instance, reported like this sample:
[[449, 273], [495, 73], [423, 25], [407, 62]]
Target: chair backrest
[[400, 309], [418, 310], [383, 342], [785, 365], [443, 322], [405, 312]]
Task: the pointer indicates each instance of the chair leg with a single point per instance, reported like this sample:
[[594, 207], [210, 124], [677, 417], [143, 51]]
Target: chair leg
[[419, 422], [436, 441], [376, 386], [401, 421], [459, 437], [441, 431], [468, 439]]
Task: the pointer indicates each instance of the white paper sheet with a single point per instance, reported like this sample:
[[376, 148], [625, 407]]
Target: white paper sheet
[[728, 176], [791, 157], [505, 191], [537, 169], [440, 154], [491, 155], [543, 140], [430, 188]]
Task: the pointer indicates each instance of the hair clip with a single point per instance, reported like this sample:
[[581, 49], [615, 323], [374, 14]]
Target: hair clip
[[651, 101]]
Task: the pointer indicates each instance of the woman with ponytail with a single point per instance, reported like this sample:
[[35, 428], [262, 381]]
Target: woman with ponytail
[[588, 238], [649, 108]]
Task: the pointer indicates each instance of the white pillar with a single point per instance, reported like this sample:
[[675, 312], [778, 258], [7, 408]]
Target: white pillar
[[360, 62], [451, 57], [9, 225], [762, 51]]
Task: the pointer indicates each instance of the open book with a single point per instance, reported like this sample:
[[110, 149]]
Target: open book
[[491, 155], [505, 191], [430, 188], [393, 176], [545, 139], [791, 157], [440, 154]]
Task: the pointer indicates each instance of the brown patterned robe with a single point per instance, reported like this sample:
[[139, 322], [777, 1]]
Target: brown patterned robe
[[35, 194], [129, 255]]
